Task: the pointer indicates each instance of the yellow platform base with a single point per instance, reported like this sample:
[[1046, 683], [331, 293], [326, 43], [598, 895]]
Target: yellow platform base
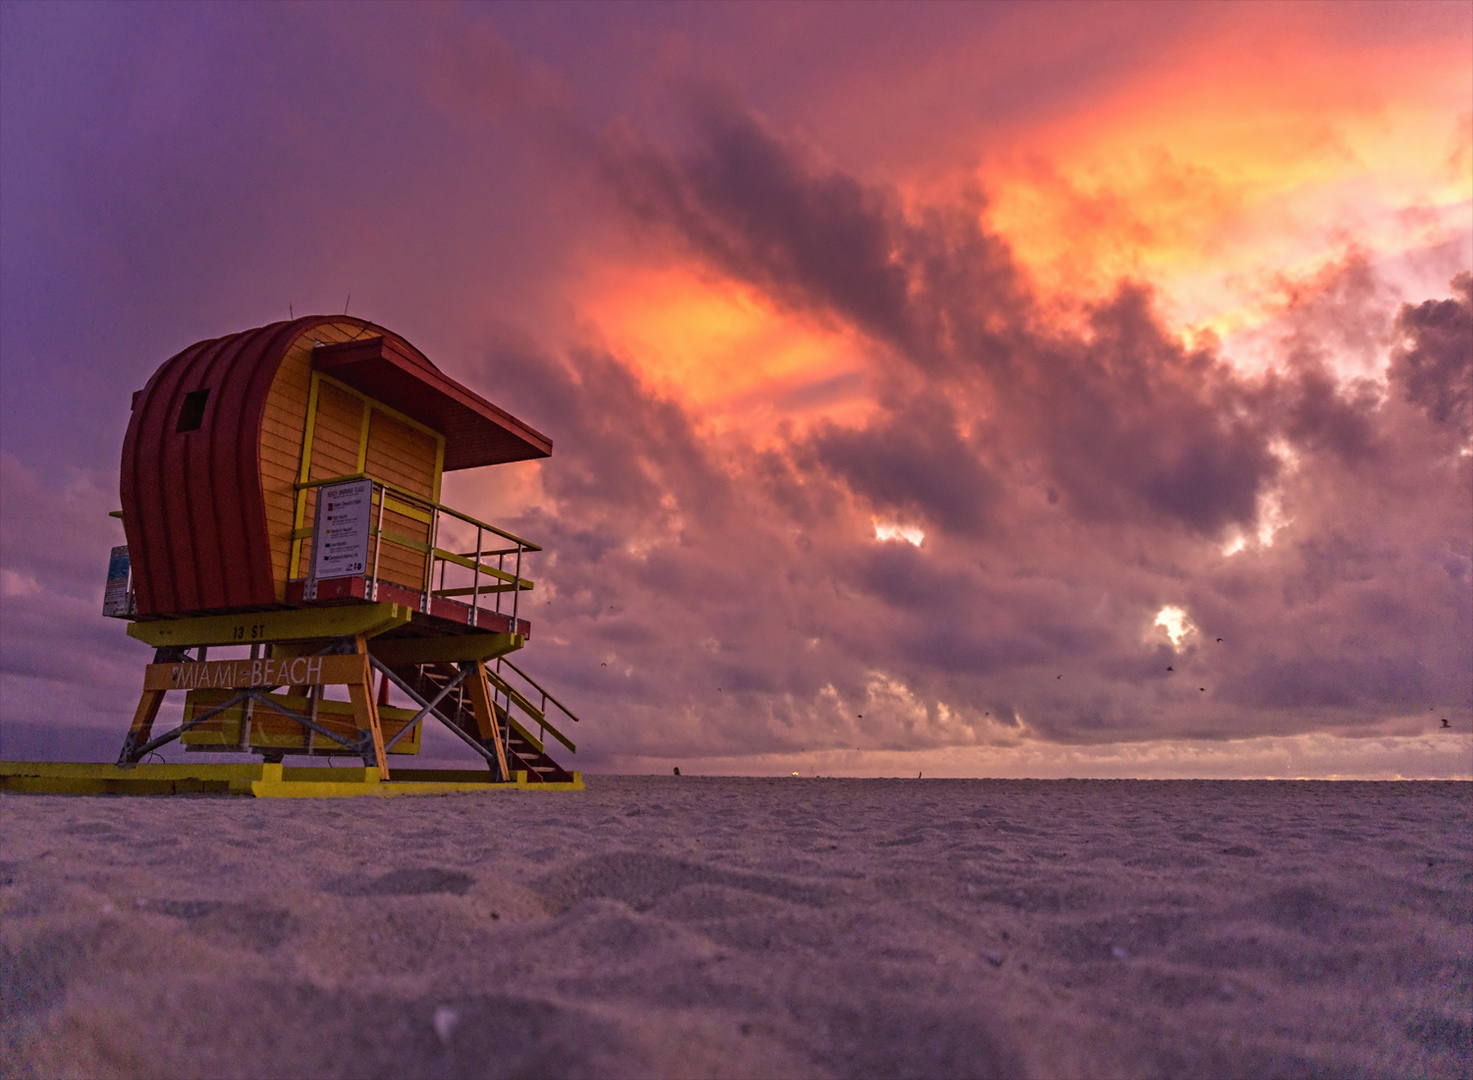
[[261, 780]]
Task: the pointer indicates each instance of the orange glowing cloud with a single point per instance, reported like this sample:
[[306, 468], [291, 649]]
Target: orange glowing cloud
[[1236, 165], [724, 350], [1250, 153]]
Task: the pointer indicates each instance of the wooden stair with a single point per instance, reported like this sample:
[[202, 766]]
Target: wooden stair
[[525, 752]]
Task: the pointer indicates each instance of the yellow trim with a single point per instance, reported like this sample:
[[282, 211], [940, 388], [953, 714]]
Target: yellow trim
[[484, 590], [439, 466], [403, 541], [369, 405], [331, 789], [531, 710], [541, 690], [395, 413], [470, 564], [520, 730], [301, 624], [399, 539], [398, 491], [363, 424], [304, 471], [404, 509]]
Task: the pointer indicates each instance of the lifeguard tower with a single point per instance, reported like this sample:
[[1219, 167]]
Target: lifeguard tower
[[281, 495]]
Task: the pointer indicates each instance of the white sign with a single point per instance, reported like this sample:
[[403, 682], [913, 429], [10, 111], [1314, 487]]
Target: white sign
[[340, 529]]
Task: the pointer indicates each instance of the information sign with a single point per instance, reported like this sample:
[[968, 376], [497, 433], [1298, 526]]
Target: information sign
[[340, 529]]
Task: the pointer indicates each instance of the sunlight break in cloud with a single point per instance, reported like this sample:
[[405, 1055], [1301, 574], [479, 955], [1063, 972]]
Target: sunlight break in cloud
[[889, 531], [1177, 625]]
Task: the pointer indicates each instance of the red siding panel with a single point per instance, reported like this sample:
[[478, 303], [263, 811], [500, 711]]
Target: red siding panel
[[192, 505]]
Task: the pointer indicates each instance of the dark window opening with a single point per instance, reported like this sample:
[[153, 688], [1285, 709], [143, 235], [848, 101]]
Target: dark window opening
[[192, 412]]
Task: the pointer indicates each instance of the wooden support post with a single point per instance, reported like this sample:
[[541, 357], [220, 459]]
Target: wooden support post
[[365, 710], [486, 725], [143, 718]]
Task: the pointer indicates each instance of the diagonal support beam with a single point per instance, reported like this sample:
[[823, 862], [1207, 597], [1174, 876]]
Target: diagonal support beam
[[307, 722], [459, 733], [430, 707], [131, 754], [484, 707]]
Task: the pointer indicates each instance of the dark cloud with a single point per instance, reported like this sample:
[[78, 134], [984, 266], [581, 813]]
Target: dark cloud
[[913, 462], [60, 660], [1132, 423], [1323, 414], [1433, 365], [810, 237], [1075, 465], [1123, 418], [1107, 463]]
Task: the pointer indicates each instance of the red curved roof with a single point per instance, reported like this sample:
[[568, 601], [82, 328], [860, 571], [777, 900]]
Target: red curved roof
[[193, 509]]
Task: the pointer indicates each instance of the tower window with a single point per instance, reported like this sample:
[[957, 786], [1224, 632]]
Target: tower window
[[192, 412]]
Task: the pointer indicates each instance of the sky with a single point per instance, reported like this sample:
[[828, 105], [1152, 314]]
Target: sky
[[966, 390]]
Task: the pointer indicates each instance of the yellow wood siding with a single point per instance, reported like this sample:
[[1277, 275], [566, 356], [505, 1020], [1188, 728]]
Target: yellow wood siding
[[335, 437], [272, 731], [283, 429], [335, 433], [399, 563], [401, 455]]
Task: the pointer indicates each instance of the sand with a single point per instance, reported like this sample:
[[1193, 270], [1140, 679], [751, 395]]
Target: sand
[[722, 927]]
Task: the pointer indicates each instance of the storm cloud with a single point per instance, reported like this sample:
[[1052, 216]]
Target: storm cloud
[[976, 551], [1071, 478]]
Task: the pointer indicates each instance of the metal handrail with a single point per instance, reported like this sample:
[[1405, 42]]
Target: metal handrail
[[431, 550], [428, 504], [515, 698], [546, 697], [465, 561]]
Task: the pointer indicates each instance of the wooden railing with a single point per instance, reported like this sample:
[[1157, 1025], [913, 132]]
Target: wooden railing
[[392, 552], [522, 701]]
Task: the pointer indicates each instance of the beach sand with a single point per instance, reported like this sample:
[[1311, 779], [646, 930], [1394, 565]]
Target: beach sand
[[663, 926]]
